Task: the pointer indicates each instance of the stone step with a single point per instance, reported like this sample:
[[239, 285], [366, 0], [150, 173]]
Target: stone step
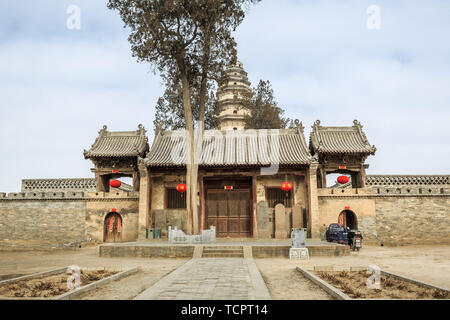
[[222, 251], [223, 255], [223, 247]]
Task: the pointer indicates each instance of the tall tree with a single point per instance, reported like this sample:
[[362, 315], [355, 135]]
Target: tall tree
[[186, 41], [264, 110], [169, 110]]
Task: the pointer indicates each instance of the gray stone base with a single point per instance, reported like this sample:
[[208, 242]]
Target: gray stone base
[[299, 253]]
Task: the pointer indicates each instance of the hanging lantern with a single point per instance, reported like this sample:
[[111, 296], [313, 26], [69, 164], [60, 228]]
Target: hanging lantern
[[181, 188], [286, 186], [115, 183], [343, 179]]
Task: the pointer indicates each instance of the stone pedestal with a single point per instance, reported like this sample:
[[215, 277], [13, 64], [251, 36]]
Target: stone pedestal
[[299, 253]]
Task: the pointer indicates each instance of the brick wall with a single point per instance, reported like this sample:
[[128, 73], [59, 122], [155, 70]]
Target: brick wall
[[392, 216], [42, 223], [418, 220]]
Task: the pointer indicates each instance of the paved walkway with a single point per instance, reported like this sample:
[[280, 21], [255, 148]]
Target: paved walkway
[[211, 279]]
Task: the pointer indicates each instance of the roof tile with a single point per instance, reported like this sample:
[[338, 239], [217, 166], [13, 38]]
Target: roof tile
[[233, 148]]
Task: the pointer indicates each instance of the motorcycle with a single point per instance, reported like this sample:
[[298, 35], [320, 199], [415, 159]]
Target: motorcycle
[[355, 239]]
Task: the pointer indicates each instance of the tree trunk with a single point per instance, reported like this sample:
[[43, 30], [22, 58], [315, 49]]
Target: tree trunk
[[190, 181], [201, 125]]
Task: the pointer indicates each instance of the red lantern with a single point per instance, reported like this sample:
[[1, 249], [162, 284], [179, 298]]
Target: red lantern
[[181, 188], [286, 186], [115, 183], [343, 179]]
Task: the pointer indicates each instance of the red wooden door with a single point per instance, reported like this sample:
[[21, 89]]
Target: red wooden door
[[229, 212], [113, 228]]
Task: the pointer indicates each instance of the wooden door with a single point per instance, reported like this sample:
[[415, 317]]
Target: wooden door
[[113, 228], [229, 212]]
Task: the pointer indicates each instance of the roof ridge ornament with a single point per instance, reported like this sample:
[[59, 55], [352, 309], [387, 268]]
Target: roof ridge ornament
[[299, 126], [358, 125], [103, 130], [159, 128]]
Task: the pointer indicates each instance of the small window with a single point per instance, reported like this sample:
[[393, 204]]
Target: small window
[[276, 195], [235, 112], [175, 199]]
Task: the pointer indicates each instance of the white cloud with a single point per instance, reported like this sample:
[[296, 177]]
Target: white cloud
[[58, 87]]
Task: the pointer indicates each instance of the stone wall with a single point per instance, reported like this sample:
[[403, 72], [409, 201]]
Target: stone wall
[[391, 215], [63, 219], [413, 220], [100, 204], [42, 223]]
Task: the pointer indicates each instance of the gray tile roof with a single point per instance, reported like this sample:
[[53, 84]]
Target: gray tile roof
[[339, 139], [119, 144], [233, 148]]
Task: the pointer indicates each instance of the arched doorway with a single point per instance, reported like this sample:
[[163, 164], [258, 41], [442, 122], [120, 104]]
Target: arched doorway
[[348, 219], [113, 228]]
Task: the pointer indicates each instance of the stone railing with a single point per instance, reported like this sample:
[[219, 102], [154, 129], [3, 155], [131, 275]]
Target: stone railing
[[43, 195], [407, 180], [44, 185], [430, 190]]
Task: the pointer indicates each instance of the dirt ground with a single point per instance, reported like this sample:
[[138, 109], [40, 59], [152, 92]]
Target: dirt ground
[[354, 285], [429, 264], [286, 283], [28, 262], [50, 286]]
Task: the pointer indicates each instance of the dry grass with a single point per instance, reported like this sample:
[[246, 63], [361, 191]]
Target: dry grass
[[50, 286], [354, 285]]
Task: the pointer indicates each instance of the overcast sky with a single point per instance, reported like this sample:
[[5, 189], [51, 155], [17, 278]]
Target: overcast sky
[[59, 86]]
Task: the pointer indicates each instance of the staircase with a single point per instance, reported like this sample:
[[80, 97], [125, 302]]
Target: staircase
[[223, 252]]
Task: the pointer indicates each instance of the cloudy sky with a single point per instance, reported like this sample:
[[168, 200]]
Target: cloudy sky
[[58, 86]]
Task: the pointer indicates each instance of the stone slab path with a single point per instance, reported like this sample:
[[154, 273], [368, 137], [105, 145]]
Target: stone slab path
[[210, 279]]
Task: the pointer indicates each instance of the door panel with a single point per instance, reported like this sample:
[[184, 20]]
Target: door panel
[[229, 211], [113, 228]]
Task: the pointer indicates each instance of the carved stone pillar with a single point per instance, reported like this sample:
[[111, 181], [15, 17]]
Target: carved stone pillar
[[145, 194], [102, 182], [136, 182], [313, 202], [363, 176]]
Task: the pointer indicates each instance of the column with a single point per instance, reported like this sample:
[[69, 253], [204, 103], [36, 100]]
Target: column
[[136, 182], [363, 176], [254, 208], [202, 203], [145, 194], [313, 201]]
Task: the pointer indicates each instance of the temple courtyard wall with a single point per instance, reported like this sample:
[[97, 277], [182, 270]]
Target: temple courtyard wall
[[26, 223], [391, 216]]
